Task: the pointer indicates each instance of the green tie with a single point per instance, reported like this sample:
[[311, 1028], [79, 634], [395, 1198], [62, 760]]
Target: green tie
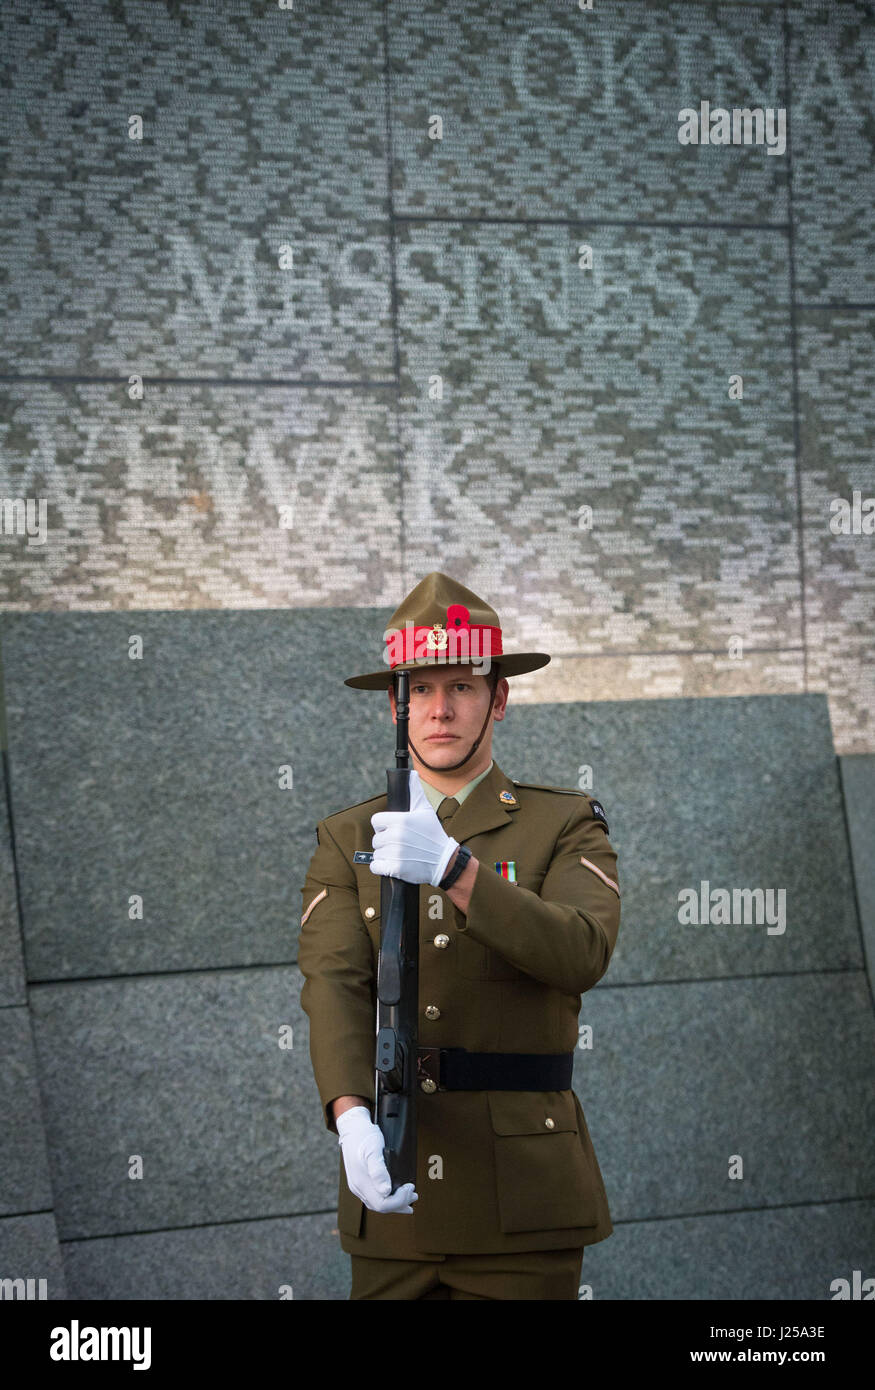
[[448, 807]]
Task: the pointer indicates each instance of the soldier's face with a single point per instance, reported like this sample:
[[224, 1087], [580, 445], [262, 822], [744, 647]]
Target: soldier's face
[[447, 709]]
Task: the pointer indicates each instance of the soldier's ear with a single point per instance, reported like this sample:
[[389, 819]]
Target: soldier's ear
[[505, 692]]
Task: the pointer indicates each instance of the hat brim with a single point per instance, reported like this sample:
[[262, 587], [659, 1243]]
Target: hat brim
[[509, 664]]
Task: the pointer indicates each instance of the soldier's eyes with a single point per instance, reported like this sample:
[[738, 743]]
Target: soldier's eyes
[[463, 685]]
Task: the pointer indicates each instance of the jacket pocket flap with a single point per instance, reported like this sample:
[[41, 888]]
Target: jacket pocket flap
[[369, 903], [528, 1112], [369, 888]]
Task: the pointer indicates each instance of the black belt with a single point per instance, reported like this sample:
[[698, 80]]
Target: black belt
[[455, 1069]]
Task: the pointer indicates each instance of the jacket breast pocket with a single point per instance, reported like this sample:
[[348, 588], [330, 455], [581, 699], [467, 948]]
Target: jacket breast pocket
[[496, 966], [543, 1179], [369, 906]]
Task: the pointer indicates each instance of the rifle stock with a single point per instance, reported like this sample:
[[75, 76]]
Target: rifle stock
[[398, 981]]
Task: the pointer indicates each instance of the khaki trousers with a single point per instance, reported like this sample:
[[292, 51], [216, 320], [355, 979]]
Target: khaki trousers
[[534, 1274]]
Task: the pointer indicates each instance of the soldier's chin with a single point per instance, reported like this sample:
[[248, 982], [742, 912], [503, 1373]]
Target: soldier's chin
[[450, 746]]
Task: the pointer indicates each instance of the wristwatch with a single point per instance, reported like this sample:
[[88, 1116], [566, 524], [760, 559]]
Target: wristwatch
[[461, 860]]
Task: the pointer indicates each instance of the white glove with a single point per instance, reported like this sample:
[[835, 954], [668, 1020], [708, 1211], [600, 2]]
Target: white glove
[[412, 845], [362, 1143]]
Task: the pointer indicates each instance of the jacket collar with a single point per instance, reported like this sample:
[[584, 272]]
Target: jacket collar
[[484, 808]]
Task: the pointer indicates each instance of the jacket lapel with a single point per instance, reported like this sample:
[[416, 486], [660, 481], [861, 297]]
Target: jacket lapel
[[484, 808]]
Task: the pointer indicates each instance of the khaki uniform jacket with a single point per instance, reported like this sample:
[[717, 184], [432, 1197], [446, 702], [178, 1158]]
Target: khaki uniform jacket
[[492, 1174]]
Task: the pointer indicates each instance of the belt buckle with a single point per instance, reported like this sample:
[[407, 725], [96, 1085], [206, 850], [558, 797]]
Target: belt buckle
[[428, 1066]]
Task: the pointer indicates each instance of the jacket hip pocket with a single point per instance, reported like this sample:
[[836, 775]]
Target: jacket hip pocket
[[349, 1207], [543, 1178]]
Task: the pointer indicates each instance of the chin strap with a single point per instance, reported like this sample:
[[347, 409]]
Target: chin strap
[[474, 746]]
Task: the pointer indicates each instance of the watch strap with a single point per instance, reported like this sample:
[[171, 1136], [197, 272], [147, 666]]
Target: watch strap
[[458, 868]]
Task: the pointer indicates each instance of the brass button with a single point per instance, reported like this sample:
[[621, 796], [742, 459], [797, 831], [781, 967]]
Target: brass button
[[428, 1085], [442, 942], [432, 1011], [551, 1124], [370, 912]]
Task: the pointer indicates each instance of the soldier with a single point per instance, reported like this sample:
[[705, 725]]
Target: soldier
[[519, 910]]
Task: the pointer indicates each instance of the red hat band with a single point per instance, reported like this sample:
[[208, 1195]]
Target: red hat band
[[459, 640]]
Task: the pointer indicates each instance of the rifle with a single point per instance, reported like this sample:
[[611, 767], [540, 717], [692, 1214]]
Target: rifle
[[398, 980]]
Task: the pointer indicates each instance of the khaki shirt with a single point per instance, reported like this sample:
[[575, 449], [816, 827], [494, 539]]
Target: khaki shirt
[[492, 1174], [435, 797]]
